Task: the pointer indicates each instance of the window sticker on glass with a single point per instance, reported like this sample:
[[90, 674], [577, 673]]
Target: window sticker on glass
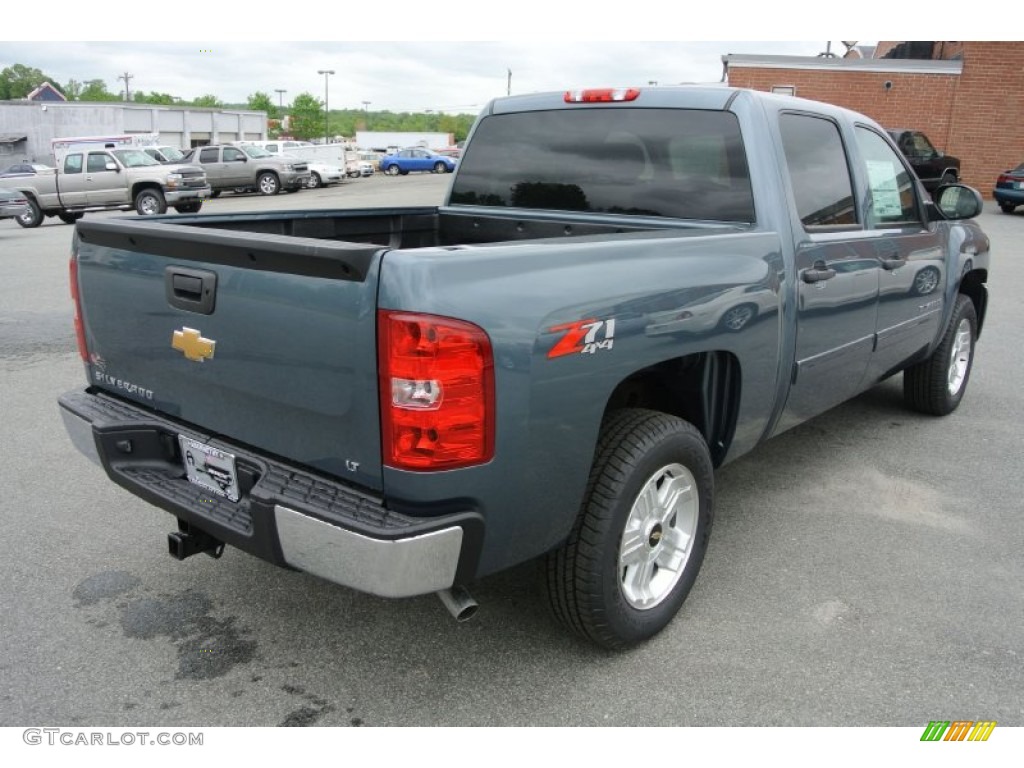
[[884, 189]]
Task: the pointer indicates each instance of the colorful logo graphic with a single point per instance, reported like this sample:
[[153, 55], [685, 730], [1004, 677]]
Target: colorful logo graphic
[[958, 730]]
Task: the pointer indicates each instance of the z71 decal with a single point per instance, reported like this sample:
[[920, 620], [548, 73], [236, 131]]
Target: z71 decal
[[581, 338]]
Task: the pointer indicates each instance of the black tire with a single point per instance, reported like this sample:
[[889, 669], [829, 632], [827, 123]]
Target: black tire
[[215, 193], [392, 170], [590, 590], [69, 218], [189, 207], [737, 318], [268, 183], [150, 202], [937, 385], [1007, 207], [440, 167], [33, 217], [315, 181]]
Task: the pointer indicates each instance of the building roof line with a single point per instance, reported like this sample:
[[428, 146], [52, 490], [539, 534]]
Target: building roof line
[[905, 66]]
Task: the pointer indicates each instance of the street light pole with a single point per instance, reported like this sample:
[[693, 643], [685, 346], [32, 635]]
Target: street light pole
[[280, 96], [327, 109]]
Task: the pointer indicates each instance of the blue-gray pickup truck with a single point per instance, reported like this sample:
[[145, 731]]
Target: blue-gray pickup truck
[[625, 289]]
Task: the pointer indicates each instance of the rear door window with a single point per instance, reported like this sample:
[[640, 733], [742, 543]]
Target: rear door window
[[818, 170]]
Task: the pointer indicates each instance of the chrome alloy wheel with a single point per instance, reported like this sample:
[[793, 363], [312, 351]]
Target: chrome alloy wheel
[[658, 537], [960, 360]]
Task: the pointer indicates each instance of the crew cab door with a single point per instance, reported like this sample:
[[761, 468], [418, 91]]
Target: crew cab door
[[837, 271], [217, 172], [72, 183], [910, 253]]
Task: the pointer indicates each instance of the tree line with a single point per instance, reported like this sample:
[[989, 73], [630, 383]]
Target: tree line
[[306, 118]]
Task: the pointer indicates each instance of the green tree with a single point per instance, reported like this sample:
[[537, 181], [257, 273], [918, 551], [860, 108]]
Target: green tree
[[152, 98], [207, 100], [72, 90], [18, 81], [96, 90], [260, 102], [306, 120]]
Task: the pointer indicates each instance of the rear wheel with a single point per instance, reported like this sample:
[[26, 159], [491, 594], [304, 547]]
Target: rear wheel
[[150, 202], [188, 207], [33, 217], [638, 543], [1007, 207], [937, 385], [215, 193], [738, 317], [69, 218]]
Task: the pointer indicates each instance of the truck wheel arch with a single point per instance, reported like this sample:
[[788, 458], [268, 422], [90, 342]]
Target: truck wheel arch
[[702, 389]]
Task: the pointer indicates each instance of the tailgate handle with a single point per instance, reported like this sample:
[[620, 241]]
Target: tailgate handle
[[193, 290]]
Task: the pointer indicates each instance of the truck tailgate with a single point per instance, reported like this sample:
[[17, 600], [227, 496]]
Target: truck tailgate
[[267, 340]]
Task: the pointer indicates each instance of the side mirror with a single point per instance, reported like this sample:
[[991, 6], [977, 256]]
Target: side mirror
[[112, 166], [958, 201]]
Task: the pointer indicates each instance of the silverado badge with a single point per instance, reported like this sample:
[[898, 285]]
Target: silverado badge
[[192, 344]]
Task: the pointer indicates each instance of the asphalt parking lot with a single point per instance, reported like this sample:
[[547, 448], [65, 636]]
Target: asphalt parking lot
[[865, 569]]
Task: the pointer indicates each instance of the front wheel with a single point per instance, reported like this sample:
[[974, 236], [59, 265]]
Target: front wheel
[[150, 202], [641, 534], [33, 217], [314, 181], [937, 385], [1007, 207], [440, 167], [268, 183], [69, 218], [188, 207]]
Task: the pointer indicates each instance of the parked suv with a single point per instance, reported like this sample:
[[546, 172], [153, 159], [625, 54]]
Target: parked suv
[[249, 167], [931, 166]]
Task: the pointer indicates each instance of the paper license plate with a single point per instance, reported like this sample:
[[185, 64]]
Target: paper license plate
[[209, 468]]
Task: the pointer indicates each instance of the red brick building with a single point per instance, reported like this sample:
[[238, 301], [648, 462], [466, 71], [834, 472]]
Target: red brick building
[[968, 96]]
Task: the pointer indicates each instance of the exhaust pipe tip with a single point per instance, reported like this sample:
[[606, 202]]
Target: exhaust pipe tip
[[459, 603]]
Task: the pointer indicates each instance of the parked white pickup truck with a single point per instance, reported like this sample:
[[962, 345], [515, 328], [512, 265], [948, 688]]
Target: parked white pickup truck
[[103, 179]]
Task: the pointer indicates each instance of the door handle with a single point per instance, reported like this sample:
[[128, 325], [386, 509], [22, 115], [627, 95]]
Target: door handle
[[194, 290], [818, 272]]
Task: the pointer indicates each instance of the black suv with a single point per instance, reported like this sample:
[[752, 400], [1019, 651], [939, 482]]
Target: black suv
[[931, 166]]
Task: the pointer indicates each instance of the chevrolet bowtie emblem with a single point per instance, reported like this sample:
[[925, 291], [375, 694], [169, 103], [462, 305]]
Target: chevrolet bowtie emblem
[[191, 343]]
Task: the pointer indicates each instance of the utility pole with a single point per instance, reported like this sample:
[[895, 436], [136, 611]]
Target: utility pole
[[126, 77], [509, 90], [327, 110], [280, 96]]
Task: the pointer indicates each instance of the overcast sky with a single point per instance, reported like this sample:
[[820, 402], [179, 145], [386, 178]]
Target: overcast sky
[[547, 45], [457, 76]]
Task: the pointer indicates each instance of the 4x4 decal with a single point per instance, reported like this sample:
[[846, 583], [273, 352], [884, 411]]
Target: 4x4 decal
[[581, 337]]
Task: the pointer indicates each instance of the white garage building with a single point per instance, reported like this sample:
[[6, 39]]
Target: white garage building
[[26, 128]]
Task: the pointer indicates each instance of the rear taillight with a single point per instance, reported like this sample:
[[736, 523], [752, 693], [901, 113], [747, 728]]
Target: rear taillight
[[436, 392], [598, 95], [83, 350], [1003, 179]]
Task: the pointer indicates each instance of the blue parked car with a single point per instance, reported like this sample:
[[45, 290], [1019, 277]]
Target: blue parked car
[[416, 159], [1009, 191]]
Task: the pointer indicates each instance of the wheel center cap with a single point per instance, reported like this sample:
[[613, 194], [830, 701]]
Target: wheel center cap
[[654, 538]]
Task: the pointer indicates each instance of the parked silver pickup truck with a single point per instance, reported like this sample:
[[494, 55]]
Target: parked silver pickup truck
[[110, 179], [249, 167]]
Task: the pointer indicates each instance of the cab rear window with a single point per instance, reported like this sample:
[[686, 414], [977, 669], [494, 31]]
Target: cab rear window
[[677, 163]]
